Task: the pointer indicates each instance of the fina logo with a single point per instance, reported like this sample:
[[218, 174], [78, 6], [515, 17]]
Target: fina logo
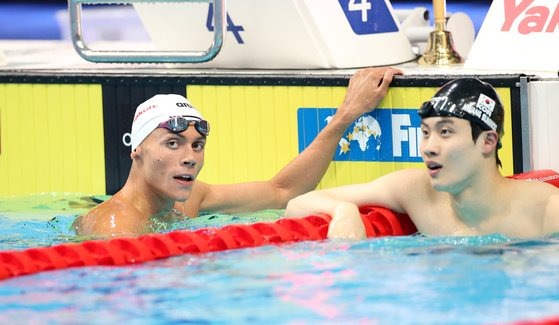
[[363, 131], [387, 135]]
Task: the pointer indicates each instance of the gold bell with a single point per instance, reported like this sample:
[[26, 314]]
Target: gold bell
[[440, 49]]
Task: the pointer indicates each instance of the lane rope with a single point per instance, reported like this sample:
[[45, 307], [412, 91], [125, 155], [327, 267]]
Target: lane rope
[[378, 222]]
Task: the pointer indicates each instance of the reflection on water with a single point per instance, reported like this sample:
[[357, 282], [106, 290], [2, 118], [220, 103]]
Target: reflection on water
[[46, 219], [394, 280]]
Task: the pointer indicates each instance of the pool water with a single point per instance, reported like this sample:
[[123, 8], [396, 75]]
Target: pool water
[[393, 280], [46, 219]]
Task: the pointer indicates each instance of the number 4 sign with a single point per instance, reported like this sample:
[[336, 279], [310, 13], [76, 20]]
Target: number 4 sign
[[231, 27], [368, 16], [364, 6]]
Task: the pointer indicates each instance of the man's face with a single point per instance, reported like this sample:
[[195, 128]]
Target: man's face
[[170, 162], [449, 152]]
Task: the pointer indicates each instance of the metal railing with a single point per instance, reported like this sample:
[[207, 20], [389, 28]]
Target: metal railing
[[117, 56]]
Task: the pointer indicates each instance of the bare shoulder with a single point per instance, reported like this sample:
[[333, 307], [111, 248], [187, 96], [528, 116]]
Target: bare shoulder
[[551, 219], [413, 176], [534, 191], [415, 185], [111, 218], [408, 181], [537, 199], [407, 175], [403, 188]]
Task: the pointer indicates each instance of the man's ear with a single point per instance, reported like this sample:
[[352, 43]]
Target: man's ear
[[490, 141], [136, 153]]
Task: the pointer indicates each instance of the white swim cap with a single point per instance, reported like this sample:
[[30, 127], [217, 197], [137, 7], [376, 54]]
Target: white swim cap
[[156, 110]]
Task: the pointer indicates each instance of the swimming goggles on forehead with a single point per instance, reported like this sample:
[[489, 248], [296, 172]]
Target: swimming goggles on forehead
[[441, 106], [179, 124]]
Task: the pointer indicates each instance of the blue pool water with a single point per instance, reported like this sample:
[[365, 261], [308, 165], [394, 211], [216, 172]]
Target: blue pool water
[[396, 280]]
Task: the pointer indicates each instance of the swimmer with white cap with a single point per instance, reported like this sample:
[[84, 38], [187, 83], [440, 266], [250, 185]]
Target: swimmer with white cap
[[460, 192], [168, 140]]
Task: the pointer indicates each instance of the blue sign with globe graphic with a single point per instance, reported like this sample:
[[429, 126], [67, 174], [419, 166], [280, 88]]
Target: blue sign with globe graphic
[[388, 135]]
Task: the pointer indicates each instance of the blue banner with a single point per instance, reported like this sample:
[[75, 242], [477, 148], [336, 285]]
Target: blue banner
[[387, 135]]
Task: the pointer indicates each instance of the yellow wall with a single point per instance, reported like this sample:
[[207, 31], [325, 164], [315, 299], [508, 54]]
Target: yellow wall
[[254, 130], [51, 139], [51, 136]]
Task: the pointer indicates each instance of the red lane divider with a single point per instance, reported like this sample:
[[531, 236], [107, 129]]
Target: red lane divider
[[546, 175], [545, 321], [121, 251]]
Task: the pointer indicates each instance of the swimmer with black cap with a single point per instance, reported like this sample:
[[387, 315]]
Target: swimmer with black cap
[[461, 192], [476, 101]]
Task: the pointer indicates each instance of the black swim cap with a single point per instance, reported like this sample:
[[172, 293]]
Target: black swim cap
[[470, 99]]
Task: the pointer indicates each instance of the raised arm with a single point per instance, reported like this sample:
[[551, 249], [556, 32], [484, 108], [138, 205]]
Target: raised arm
[[366, 89]]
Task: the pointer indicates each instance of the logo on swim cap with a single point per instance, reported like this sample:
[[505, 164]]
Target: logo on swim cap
[[156, 110], [467, 98], [486, 104]]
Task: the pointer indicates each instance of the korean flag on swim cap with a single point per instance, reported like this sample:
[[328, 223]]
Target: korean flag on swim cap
[[156, 110]]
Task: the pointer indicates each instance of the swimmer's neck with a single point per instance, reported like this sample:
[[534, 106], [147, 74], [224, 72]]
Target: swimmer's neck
[[480, 199], [145, 199]]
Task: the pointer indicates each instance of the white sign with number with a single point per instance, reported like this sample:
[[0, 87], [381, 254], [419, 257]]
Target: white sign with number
[[362, 6], [283, 34], [518, 35]]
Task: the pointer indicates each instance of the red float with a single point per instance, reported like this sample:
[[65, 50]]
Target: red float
[[378, 222]]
